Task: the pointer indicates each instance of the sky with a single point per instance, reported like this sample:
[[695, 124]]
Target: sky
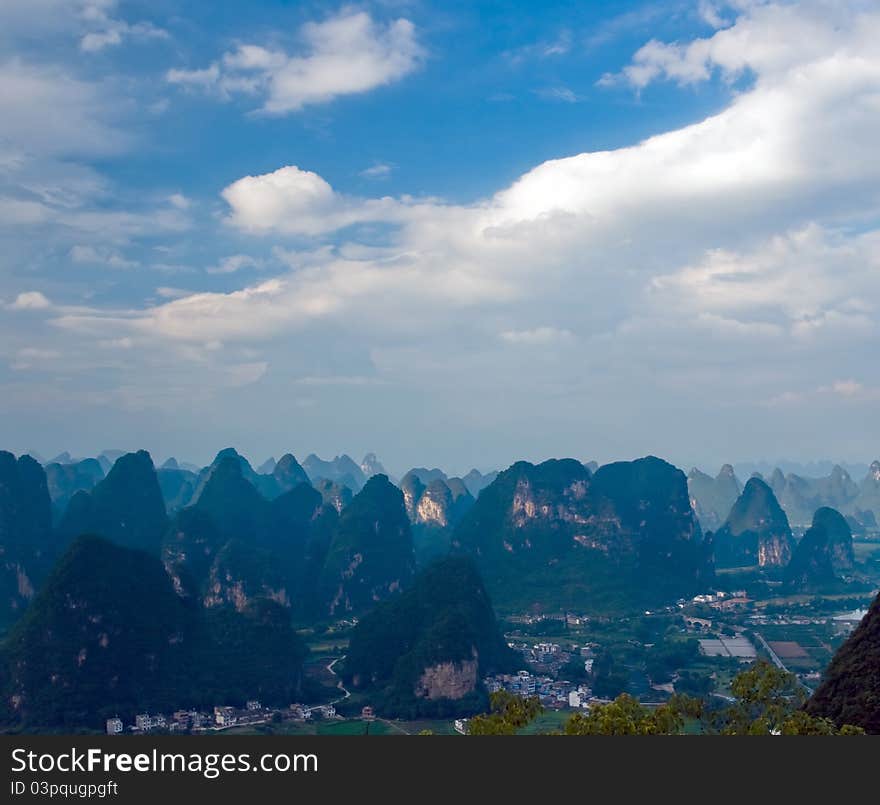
[[456, 234]]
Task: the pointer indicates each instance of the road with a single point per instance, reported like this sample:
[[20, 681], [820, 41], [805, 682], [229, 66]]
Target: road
[[345, 691], [774, 657]]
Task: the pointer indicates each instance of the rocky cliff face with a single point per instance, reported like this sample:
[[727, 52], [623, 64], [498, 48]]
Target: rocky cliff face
[[441, 503], [108, 635], [371, 554], [756, 531], [234, 546], [334, 494], [552, 534], [425, 651], [448, 680]]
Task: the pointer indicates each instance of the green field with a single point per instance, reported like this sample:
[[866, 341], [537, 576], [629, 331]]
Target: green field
[[548, 721]]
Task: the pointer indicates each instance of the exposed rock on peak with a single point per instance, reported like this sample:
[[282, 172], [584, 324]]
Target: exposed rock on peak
[[756, 531], [424, 652], [554, 535]]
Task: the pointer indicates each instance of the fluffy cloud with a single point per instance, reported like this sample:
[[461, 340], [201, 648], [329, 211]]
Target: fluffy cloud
[[49, 112], [95, 23], [707, 269], [89, 255], [233, 263], [30, 300], [719, 221], [299, 202], [345, 54]]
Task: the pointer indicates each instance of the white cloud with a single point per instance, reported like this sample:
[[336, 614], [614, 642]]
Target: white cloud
[[179, 201], [563, 94], [30, 300], [847, 388], [378, 170], [537, 336], [559, 46], [233, 263], [205, 78], [812, 32], [47, 111], [711, 13], [300, 202], [345, 54], [32, 357], [90, 255], [167, 292], [709, 268], [114, 32], [338, 380]]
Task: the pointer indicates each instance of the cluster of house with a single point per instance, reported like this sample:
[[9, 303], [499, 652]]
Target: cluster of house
[[222, 718], [720, 600], [569, 618], [553, 693]]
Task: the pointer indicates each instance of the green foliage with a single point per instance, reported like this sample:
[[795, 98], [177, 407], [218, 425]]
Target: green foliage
[[126, 507], [625, 716], [371, 554], [695, 684], [850, 690], [552, 535], [756, 521], [27, 544], [108, 634], [446, 616], [825, 551], [508, 713], [767, 703], [664, 658], [609, 678]]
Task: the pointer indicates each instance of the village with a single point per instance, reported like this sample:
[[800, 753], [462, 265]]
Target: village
[[225, 717]]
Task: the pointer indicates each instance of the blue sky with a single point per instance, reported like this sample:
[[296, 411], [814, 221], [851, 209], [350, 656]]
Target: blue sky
[[453, 233]]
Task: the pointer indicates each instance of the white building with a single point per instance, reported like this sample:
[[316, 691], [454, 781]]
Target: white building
[[142, 721], [461, 725], [574, 699], [114, 726], [224, 716], [253, 704]]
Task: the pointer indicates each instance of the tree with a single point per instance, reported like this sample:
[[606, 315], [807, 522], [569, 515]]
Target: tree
[[769, 701], [508, 713], [625, 716]]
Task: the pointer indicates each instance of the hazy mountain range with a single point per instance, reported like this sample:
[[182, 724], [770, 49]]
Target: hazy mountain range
[[234, 555]]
